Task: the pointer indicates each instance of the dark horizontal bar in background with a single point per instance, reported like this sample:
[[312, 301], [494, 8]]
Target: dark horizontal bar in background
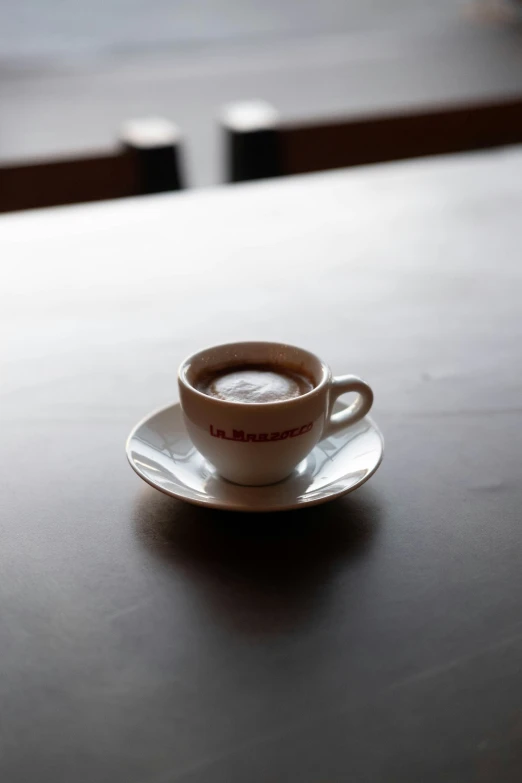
[[376, 139], [67, 181], [259, 146], [147, 160]]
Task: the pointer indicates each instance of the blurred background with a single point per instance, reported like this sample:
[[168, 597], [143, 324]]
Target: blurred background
[[72, 72]]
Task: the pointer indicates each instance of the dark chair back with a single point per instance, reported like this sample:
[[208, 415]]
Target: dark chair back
[[147, 160], [259, 145]]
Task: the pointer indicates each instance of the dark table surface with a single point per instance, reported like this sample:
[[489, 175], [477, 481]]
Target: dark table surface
[[376, 638]]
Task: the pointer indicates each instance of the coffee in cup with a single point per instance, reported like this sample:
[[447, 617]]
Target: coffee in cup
[[254, 383]]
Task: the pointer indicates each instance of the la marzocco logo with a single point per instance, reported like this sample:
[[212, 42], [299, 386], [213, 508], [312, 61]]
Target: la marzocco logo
[[260, 437]]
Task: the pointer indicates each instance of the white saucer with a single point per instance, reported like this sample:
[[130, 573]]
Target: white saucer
[[160, 451]]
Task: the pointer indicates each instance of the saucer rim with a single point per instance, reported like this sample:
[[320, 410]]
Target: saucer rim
[[209, 503]]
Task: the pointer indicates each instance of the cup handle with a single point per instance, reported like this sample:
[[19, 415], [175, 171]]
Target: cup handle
[[356, 411]]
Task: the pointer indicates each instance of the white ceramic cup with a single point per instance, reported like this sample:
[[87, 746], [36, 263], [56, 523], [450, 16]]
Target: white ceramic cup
[[261, 443]]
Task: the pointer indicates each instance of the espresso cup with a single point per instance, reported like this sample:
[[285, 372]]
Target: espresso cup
[[261, 443]]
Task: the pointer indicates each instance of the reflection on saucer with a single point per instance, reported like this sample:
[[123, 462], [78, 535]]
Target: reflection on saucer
[[159, 450]]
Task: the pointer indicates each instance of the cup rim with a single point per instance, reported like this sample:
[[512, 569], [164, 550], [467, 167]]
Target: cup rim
[[183, 367]]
